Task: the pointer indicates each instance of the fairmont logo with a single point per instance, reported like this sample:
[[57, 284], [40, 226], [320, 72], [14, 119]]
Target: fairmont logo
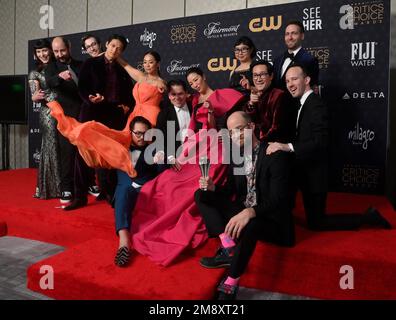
[[364, 95], [362, 13], [363, 54], [214, 30], [148, 38], [361, 137], [176, 67]]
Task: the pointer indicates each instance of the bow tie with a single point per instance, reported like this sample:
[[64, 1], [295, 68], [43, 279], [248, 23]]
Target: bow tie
[[289, 55]]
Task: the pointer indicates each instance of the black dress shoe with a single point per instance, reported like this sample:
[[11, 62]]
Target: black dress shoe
[[76, 204], [123, 257], [222, 259], [101, 196], [374, 218]]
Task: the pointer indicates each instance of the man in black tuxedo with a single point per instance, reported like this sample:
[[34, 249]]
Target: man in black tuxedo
[[106, 90], [62, 77], [173, 120], [254, 204], [310, 147], [294, 36]]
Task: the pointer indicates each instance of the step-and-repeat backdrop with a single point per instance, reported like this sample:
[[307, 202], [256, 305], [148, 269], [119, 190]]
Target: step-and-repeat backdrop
[[349, 39]]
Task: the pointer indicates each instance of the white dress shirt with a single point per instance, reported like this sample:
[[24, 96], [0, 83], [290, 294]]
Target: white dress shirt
[[183, 117], [288, 61]]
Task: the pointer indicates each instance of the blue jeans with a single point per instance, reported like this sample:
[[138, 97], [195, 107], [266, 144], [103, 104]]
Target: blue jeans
[[125, 201]]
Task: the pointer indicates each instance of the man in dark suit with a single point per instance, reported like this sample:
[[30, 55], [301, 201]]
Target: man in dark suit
[[294, 36], [310, 147], [128, 188], [254, 204], [106, 90], [173, 120], [62, 77]]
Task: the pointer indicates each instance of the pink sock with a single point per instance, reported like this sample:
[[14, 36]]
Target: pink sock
[[226, 241], [231, 281]]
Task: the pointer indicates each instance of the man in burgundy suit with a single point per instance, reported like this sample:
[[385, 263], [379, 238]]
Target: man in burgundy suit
[[270, 108]]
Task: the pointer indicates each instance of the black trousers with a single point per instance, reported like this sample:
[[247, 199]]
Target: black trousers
[[67, 157], [319, 220], [216, 213]]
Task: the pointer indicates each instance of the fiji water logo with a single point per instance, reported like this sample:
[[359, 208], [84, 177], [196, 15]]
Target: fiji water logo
[[360, 136]]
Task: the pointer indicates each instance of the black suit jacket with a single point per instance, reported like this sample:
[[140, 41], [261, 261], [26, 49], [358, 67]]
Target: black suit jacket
[[274, 192], [311, 145], [303, 57], [166, 114], [93, 80], [67, 91], [145, 171]]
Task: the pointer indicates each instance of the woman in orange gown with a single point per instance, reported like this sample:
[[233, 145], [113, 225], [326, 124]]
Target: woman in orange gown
[[103, 147]]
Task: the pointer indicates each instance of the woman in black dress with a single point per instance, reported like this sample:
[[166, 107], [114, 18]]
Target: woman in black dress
[[48, 178], [241, 77]]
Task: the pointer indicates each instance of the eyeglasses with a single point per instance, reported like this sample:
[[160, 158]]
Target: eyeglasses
[[260, 75], [181, 94], [138, 133], [241, 50], [93, 44]]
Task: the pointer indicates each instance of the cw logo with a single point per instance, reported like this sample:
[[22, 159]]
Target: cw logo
[[261, 24], [217, 64]]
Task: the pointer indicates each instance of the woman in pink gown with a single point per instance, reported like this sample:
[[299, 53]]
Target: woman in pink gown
[[103, 147], [166, 221]]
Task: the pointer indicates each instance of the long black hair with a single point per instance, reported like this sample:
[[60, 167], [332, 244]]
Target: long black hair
[[40, 44]]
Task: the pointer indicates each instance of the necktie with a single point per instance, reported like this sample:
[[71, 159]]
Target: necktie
[[73, 74]]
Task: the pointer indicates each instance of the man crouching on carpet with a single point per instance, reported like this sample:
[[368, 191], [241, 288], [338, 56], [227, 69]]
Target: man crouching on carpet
[[128, 188], [254, 204]]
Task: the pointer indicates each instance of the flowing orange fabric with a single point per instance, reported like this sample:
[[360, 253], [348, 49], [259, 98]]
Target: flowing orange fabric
[[101, 146]]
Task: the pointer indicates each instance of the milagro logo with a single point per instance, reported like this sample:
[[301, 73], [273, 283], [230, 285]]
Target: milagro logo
[[218, 64], [148, 38], [176, 67], [361, 13], [265, 24], [361, 137], [363, 95], [216, 30], [363, 54], [311, 19]]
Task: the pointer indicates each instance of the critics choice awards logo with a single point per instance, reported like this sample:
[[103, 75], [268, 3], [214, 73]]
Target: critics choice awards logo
[[216, 30], [360, 176], [184, 33], [322, 54], [361, 13]]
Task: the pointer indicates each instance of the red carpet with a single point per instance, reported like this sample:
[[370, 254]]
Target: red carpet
[[86, 271], [3, 229]]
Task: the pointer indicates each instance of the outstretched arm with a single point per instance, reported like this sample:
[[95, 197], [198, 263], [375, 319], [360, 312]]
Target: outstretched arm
[[134, 73]]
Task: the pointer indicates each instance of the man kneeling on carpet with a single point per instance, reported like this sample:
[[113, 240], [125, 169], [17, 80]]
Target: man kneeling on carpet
[[254, 204], [128, 188]]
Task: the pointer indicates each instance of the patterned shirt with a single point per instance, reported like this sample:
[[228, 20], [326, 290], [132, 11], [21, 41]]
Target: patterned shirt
[[250, 170]]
